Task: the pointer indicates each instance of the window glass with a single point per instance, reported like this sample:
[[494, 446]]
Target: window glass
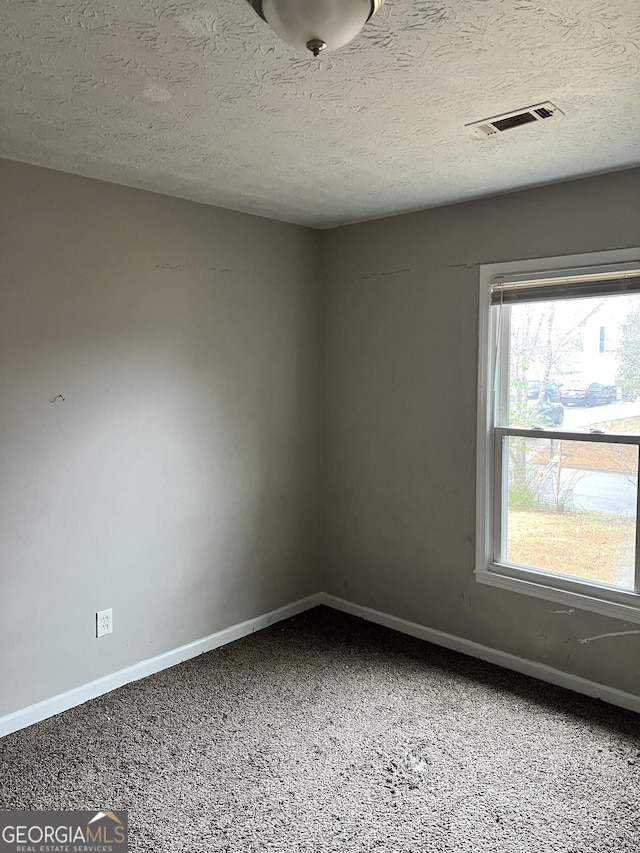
[[574, 364], [559, 430], [570, 507]]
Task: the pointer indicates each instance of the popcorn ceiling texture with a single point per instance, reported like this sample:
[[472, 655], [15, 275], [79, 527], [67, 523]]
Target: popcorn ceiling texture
[[201, 100]]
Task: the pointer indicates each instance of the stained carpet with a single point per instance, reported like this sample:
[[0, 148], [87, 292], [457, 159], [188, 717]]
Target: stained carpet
[[325, 733]]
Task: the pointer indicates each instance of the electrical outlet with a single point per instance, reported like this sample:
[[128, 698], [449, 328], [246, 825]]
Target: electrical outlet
[[104, 622]]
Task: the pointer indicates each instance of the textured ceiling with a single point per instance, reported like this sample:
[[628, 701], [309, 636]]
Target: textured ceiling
[[200, 100]]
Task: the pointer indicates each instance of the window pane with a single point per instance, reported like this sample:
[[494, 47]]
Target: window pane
[[575, 364], [571, 507]]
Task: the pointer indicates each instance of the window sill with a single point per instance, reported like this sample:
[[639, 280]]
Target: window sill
[[619, 604]]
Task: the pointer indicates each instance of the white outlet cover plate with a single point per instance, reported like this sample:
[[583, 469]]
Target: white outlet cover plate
[[104, 622]]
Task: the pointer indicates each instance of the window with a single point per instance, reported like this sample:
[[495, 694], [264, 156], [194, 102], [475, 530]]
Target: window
[[559, 430]]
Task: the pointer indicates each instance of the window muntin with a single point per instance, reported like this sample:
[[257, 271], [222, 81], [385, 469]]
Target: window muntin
[[560, 413]]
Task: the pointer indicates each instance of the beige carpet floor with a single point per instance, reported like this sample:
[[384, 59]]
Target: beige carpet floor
[[325, 733]]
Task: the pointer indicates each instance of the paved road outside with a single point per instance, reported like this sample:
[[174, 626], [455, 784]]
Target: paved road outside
[[598, 491], [601, 491], [579, 417]]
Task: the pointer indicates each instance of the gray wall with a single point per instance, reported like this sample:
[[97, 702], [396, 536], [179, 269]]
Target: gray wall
[[178, 481], [400, 399]]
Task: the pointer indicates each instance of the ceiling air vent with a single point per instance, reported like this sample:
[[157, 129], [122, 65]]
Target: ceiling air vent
[[498, 124]]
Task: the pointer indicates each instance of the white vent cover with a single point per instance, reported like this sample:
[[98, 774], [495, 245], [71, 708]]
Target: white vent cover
[[517, 118]]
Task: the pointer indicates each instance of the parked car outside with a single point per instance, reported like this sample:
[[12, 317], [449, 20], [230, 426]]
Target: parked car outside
[[594, 394], [551, 391], [547, 414]]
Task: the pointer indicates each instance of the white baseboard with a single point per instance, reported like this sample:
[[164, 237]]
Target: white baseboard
[[467, 647], [64, 701], [56, 704]]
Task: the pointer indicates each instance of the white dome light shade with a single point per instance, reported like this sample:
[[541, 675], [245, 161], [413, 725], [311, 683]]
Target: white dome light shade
[[316, 25]]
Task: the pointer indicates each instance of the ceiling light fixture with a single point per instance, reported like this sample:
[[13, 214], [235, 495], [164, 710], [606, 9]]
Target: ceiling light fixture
[[316, 25]]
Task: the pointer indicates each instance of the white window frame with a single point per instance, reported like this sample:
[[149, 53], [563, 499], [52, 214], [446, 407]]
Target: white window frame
[[561, 589]]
